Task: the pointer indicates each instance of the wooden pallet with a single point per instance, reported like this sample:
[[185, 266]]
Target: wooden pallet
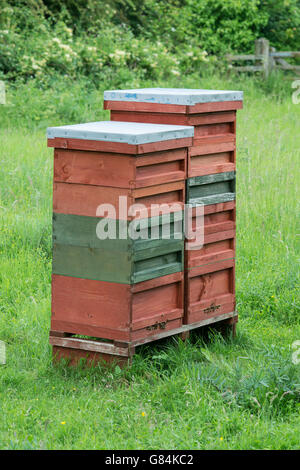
[[93, 352]]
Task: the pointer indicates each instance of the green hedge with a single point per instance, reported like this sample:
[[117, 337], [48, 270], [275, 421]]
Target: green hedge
[[119, 41]]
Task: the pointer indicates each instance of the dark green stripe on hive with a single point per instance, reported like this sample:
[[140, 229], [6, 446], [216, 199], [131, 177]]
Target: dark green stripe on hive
[[78, 252], [69, 229], [214, 178], [211, 189], [92, 263], [158, 266]]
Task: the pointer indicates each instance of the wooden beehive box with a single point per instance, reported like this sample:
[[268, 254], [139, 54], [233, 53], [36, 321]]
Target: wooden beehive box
[[119, 289], [210, 182], [211, 112]]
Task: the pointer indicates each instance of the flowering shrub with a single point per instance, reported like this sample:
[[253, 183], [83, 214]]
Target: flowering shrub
[[41, 50]]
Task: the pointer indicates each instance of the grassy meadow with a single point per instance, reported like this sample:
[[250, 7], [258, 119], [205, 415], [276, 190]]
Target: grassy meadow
[[202, 394]]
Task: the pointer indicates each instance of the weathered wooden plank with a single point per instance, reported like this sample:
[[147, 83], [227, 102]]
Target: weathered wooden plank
[[88, 345], [232, 58], [211, 189], [213, 199], [186, 327], [248, 68], [169, 266], [207, 191], [231, 316], [281, 63], [283, 54], [162, 247], [74, 357]]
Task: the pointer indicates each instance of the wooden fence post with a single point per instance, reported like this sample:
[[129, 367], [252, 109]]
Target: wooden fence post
[[262, 49]]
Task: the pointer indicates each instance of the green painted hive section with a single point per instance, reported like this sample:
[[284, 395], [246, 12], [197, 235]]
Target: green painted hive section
[[211, 189], [79, 252]]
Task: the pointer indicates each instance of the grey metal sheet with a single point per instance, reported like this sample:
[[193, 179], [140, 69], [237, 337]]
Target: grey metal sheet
[[180, 96], [125, 132]]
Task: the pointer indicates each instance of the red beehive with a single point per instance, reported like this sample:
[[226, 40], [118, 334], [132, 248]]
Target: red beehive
[[124, 291], [211, 112], [210, 181]]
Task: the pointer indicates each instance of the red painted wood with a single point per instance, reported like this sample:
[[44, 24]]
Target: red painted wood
[[173, 118], [117, 170], [213, 149], [96, 168], [160, 167], [210, 267], [80, 199], [209, 293], [144, 333], [217, 247], [213, 107], [222, 206], [116, 311], [117, 147], [157, 282], [217, 218], [199, 311], [209, 147], [75, 356], [172, 195], [211, 118], [144, 107], [172, 108], [90, 305], [164, 145], [215, 139], [213, 129]]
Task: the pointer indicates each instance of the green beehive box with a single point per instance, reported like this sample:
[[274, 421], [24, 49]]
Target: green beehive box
[[78, 252], [211, 189]]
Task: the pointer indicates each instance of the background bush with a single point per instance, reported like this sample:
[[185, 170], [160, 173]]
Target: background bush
[[121, 41]]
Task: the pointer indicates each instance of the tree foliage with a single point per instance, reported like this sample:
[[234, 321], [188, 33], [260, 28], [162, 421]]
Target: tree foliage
[[150, 39]]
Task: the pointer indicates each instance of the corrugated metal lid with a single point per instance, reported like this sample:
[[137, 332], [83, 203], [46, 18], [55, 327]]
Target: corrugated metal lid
[[181, 96], [124, 132]]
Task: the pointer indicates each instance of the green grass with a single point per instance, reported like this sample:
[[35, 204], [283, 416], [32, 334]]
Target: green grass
[[212, 394]]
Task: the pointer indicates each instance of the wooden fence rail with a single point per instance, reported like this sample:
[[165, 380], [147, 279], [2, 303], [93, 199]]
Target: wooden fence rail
[[266, 59]]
